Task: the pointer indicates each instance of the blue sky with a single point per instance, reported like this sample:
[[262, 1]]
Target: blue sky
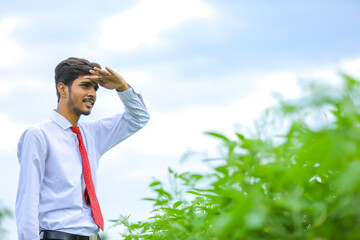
[[200, 65]]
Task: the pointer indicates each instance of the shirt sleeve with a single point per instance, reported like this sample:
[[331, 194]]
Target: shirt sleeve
[[31, 155], [113, 130]]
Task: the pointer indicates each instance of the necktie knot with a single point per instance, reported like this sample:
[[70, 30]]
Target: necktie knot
[[75, 130]]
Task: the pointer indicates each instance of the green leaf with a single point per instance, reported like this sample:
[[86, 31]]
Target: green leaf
[[222, 169], [218, 135], [155, 217], [176, 204], [240, 136], [195, 193], [164, 193], [349, 81], [155, 183], [196, 176], [149, 199], [254, 219]]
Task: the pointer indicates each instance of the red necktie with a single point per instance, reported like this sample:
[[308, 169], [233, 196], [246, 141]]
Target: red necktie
[[90, 190]]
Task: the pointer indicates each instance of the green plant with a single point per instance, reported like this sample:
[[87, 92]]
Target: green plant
[[4, 213], [296, 177]]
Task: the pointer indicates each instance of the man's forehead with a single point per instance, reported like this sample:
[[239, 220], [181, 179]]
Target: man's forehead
[[87, 81], [81, 79]]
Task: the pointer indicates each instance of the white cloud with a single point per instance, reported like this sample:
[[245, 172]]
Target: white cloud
[[10, 50], [135, 77], [284, 83], [10, 133], [184, 130], [177, 132], [9, 86], [351, 66], [5, 87], [146, 21]]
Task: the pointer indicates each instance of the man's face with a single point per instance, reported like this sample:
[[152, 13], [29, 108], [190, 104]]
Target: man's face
[[82, 96]]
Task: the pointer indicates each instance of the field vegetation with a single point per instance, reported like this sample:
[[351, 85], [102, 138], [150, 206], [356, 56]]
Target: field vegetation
[[297, 176]]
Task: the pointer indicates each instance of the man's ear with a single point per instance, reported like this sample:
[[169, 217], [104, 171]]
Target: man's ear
[[63, 90]]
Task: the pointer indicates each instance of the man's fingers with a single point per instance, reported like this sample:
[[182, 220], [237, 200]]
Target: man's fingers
[[99, 72], [95, 71], [94, 78], [98, 81], [105, 78], [110, 70], [101, 80]]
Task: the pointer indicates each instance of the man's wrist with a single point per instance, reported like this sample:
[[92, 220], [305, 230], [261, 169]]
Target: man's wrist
[[123, 88]]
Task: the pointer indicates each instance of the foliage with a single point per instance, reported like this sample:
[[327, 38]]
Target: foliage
[[296, 177], [4, 213]]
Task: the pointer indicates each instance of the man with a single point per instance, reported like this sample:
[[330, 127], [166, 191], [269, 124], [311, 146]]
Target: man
[[59, 158]]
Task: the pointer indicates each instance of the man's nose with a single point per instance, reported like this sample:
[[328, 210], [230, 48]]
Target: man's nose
[[92, 92]]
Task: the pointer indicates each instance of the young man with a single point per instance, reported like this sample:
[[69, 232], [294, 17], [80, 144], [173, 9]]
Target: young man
[[59, 158]]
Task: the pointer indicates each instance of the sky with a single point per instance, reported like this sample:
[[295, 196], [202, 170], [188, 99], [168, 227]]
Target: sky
[[200, 65]]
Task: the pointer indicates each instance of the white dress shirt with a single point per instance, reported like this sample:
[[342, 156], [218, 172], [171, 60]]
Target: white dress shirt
[[51, 183]]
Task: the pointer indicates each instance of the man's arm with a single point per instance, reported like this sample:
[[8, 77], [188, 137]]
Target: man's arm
[[111, 131], [31, 155]]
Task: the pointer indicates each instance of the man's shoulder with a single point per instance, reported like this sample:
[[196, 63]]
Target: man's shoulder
[[34, 135], [38, 129], [99, 122]]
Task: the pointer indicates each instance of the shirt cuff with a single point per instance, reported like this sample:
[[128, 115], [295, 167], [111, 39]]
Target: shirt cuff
[[129, 94]]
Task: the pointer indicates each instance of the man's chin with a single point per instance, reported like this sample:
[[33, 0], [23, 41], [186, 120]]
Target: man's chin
[[86, 112], [82, 112]]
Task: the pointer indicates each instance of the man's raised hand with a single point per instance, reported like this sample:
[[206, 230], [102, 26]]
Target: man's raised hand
[[108, 79]]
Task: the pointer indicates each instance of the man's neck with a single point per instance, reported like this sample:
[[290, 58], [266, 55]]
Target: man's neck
[[71, 117]]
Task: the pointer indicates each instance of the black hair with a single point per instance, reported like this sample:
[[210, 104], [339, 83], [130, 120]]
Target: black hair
[[70, 69]]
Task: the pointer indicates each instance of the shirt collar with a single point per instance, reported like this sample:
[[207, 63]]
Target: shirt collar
[[60, 120]]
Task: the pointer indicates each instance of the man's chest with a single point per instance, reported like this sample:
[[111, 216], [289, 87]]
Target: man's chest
[[64, 161]]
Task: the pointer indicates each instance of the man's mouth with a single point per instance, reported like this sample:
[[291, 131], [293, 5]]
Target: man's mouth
[[89, 102]]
